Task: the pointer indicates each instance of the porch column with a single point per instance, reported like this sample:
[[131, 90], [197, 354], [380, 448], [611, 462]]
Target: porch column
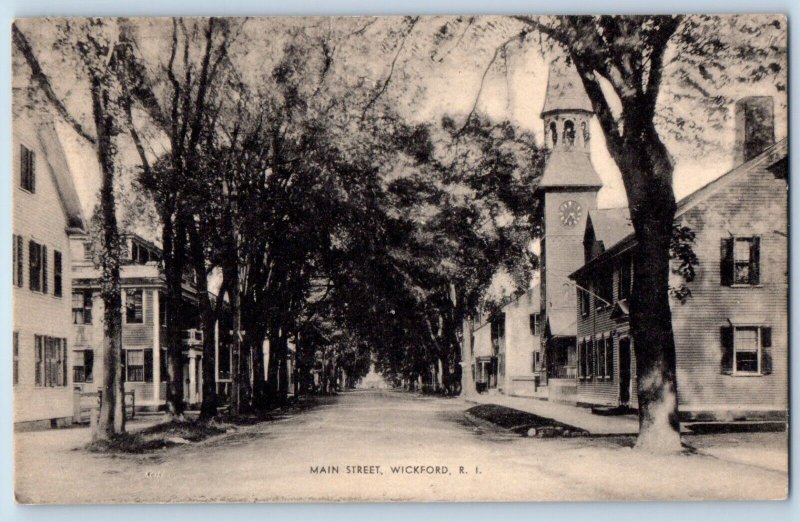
[[156, 350], [192, 378]]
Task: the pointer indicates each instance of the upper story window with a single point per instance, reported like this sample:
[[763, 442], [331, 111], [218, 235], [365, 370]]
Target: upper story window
[[553, 133], [134, 311], [16, 358], [585, 301], [585, 132], [498, 326], [740, 261], [27, 169], [535, 325], [82, 307], [604, 288], [58, 277], [569, 133], [625, 279], [37, 263], [18, 267]]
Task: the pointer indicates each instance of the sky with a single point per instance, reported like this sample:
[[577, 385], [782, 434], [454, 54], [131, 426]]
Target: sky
[[430, 81]]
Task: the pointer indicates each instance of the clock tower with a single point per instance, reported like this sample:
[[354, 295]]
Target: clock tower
[[568, 190]]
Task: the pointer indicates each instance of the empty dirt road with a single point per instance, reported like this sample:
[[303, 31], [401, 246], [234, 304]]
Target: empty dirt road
[[383, 446]]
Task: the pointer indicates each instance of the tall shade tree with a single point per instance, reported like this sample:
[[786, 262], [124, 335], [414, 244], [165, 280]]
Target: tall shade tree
[[92, 46], [622, 61]]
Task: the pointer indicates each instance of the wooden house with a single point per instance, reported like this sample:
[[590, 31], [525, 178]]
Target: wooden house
[[731, 334]]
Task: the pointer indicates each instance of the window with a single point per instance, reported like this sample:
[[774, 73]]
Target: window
[[139, 365], [569, 133], [87, 251], [133, 306], [585, 359], [746, 350], [605, 289], [585, 298], [553, 133], [134, 364], [600, 349], [37, 263], [585, 131], [82, 307], [625, 279], [58, 280], [16, 358], [740, 261], [83, 369], [17, 267], [27, 169], [51, 361], [535, 326], [537, 358]]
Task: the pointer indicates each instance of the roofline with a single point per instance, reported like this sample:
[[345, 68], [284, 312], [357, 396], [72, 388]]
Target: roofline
[[773, 154], [551, 111]]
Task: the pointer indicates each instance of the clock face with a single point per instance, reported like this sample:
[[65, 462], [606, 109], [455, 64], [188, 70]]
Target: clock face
[[570, 213]]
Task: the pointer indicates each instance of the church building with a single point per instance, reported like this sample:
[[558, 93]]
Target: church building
[[568, 192]]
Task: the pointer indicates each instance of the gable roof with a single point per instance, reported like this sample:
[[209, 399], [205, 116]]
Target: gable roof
[[569, 168], [56, 160], [776, 154], [565, 91], [562, 323], [609, 225]]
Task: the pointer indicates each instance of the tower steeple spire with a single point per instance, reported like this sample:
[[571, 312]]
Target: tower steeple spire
[[567, 115]]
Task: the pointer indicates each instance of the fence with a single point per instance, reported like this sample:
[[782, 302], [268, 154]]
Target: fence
[[86, 402]]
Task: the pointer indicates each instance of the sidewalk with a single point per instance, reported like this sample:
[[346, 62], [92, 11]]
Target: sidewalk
[[573, 415]]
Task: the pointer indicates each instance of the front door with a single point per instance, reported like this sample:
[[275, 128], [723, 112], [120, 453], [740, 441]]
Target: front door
[[624, 371]]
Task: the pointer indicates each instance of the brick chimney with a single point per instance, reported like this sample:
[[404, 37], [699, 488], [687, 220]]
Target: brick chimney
[[755, 127]]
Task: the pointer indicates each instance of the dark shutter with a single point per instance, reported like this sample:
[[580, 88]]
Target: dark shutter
[[726, 261], [726, 341], [755, 261], [33, 264], [766, 351], [32, 157], [20, 264], [64, 365], [148, 366], [44, 269]]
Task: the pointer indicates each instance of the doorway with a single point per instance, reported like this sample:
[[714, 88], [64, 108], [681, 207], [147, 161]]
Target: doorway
[[624, 371]]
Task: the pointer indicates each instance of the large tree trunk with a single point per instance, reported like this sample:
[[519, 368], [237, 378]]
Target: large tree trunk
[[647, 172], [174, 243], [110, 421], [208, 320]]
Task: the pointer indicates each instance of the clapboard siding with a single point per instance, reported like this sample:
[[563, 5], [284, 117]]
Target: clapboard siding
[[596, 324], [754, 204], [750, 201], [40, 217], [140, 335]]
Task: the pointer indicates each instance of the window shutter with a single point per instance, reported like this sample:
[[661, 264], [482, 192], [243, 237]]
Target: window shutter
[[148, 366], [726, 341], [32, 171], [726, 261], [14, 257], [32, 266], [766, 351], [20, 264], [44, 269], [64, 361], [755, 261]]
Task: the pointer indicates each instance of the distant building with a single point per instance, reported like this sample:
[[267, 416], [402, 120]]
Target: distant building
[[144, 332], [506, 348], [46, 213], [731, 335]]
